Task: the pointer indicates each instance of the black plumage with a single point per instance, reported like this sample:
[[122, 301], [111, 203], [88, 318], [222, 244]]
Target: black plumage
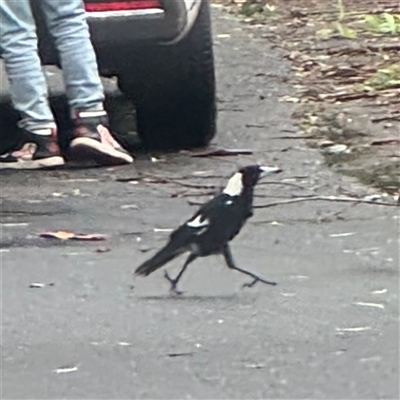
[[213, 226]]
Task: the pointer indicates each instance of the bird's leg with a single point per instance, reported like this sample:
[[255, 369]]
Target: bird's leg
[[174, 282], [226, 252]]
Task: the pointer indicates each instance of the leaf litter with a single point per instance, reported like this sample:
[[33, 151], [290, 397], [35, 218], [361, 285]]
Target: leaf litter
[[345, 56]]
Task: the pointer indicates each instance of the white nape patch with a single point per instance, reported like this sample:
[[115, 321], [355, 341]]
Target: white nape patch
[[235, 185], [198, 222], [229, 202]]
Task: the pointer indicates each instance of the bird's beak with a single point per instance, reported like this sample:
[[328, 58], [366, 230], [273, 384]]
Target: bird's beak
[[269, 170]]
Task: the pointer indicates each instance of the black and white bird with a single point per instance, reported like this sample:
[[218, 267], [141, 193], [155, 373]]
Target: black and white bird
[[213, 226]]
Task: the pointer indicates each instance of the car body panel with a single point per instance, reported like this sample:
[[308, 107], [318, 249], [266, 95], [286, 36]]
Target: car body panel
[[127, 29]]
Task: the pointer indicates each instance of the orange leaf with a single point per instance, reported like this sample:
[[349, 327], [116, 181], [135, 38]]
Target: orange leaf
[[66, 235]]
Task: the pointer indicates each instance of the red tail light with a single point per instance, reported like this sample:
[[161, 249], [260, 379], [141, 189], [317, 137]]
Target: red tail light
[[122, 5]]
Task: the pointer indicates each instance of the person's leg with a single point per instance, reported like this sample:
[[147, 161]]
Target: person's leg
[[91, 139], [28, 89]]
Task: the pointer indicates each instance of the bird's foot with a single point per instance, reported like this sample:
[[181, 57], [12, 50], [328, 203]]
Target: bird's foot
[[173, 283], [258, 279], [250, 284]]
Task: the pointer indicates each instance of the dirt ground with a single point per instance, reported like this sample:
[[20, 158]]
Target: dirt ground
[[346, 59]]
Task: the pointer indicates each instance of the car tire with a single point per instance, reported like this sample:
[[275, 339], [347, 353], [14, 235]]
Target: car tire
[[175, 93]]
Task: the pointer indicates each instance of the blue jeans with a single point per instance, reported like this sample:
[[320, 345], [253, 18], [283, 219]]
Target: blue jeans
[[66, 21]]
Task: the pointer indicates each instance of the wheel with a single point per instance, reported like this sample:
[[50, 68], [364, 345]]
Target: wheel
[[175, 91]]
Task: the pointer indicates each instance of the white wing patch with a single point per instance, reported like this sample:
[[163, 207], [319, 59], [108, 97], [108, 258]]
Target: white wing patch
[[235, 185], [198, 222]]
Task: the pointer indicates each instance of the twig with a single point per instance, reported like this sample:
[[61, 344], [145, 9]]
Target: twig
[[185, 194], [327, 198], [195, 203], [385, 118], [256, 126], [220, 152], [193, 185], [293, 137], [161, 180], [283, 184], [271, 196]]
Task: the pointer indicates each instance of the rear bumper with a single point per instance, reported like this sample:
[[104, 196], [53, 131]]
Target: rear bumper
[[115, 30], [120, 28]]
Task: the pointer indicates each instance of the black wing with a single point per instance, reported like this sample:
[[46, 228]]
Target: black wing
[[214, 224]]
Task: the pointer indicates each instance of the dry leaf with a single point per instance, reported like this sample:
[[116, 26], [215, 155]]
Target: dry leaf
[[255, 366], [391, 140], [373, 305], [39, 285], [379, 291], [67, 235], [172, 355], [62, 235], [344, 234], [103, 250], [64, 370], [13, 224]]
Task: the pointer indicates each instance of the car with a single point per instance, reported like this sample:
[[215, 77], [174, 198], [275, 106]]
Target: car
[[161, 53]]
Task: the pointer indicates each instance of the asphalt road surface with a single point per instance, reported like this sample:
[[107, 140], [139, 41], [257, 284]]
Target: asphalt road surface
[[329, 330]]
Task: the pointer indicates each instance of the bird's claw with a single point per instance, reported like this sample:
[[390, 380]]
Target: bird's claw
[[250, 284], [173, 283], [258, 279]]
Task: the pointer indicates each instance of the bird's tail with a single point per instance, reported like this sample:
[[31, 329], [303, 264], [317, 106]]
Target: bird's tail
[[163, 256]]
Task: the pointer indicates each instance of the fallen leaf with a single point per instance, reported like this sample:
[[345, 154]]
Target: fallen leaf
[[355, 329], [39, 285], [221, 152], [289, 99], [255, 366], [62, 235], [374, 305], [67, 235], [90, 236], [288, 294], [390, 140], [300, 277], [103, 250], [368, 359], [345, 31], [13, 224], [344, 234], [324, 33], [372, 197], [64, 370], [172, 355], [336, 149], [145, 249], [156, 159], [379, 291], [129, 207]]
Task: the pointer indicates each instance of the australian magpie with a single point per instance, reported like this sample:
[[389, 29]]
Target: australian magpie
[[213, 226]]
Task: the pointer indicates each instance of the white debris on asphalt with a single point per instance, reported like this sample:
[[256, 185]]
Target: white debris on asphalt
[[374, 305]]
